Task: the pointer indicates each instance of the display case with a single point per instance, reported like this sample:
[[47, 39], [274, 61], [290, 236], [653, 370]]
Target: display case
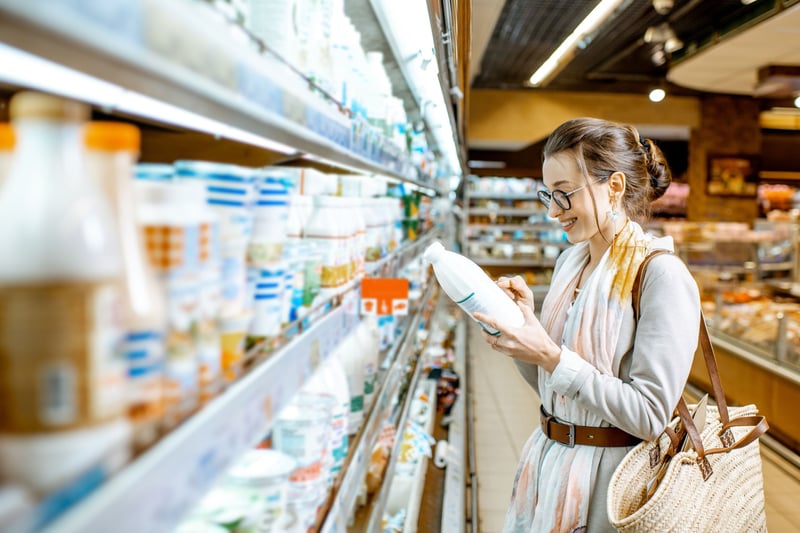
[[751, 304]]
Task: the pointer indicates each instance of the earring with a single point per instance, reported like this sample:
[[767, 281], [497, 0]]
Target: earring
[[613, 214]]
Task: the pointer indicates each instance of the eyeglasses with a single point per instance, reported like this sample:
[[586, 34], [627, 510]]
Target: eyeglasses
[[560, 197]]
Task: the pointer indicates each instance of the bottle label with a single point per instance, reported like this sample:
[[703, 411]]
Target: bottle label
[[144, 353], [470, 304], [61, 365]]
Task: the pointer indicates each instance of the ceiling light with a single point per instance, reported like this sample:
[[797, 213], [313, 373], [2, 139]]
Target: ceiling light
[[657, 95], [797, 102], [663, 34], [748, 2], [556, 61], [658, 57], [663, 7]]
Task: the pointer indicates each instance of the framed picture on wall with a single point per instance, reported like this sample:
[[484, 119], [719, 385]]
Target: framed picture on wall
[[732, 175]]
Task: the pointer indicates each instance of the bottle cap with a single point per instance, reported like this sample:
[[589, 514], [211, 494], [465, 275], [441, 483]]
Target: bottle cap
[[29, 104], [7, 139], [112, 136], [433, 253]]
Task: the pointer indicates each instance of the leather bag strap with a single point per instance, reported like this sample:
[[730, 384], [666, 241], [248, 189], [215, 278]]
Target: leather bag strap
[[758, 424], [703, 338]]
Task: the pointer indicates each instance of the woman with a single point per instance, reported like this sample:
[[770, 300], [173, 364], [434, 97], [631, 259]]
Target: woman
[[606, 381]]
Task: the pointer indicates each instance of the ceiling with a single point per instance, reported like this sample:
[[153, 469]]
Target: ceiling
[[615, 57]]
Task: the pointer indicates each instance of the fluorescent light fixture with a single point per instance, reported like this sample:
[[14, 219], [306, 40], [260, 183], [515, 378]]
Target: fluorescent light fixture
[[407, 27], [657, 95], [27, 70], [556, 60]]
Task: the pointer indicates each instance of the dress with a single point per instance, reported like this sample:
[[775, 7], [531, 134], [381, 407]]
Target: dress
[[562, 489]]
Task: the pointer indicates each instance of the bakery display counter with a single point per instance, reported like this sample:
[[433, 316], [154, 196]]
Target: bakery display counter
[[755, 330]]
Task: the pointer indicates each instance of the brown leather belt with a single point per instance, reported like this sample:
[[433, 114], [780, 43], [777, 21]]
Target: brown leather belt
[[570, 434]]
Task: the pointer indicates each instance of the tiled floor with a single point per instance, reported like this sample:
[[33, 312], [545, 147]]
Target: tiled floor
[[506, 412]]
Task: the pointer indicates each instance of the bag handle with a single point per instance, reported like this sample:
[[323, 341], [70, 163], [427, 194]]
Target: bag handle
[[758, 423], [704, 340]]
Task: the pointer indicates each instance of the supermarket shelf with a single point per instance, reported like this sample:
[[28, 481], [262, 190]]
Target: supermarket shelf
[[380, 499], [502, 211], [407, 249], [517, 227], [501, 196], [488, 261], [453, 512], [386, 390], [146, 46], [157, 490], [542, 244]]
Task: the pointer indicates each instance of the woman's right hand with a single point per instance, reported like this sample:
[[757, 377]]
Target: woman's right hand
[[517, 290]]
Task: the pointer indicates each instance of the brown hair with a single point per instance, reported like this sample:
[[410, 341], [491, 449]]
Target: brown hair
[[602, 147]]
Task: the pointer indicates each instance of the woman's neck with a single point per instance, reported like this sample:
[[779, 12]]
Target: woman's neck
[[601, 242]]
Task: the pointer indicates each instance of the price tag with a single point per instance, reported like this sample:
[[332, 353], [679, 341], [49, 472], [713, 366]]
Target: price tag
[[384, 296]]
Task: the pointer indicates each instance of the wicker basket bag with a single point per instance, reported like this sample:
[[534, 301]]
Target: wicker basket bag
[[715, 484]]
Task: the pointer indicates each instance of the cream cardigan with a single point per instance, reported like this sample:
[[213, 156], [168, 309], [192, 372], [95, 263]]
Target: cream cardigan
[[651, 365]]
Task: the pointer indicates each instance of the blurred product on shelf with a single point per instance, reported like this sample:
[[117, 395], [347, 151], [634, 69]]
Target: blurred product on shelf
[[504, 185], [777, 197], [7, 141], [179, 235], [112, 150], [62, 387]]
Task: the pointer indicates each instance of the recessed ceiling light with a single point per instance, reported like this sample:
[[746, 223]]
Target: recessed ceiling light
[[797, 102], [657, 95]]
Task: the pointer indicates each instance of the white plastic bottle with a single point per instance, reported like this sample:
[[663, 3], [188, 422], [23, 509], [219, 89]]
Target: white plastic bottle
[[63, 387], [469, 286], [351, 357], [112, 149], [369, 339]]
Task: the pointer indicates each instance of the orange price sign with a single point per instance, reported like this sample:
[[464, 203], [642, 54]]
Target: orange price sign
[[384, 296]]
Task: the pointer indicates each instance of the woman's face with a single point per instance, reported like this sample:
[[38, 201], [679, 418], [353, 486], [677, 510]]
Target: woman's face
[[560, 172]]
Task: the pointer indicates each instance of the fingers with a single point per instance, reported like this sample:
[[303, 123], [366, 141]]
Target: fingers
[[527, 312]]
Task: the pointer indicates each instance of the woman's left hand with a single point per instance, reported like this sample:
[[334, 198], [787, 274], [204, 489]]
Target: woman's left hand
[[529, 343]]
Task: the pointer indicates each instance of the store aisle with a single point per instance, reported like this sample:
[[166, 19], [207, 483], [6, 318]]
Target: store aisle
[[506, 411]]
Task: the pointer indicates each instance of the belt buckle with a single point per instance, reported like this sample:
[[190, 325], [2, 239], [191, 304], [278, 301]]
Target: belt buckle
[[571, 427]]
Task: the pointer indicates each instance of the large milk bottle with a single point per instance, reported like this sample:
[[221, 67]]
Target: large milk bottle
[[468, 286]]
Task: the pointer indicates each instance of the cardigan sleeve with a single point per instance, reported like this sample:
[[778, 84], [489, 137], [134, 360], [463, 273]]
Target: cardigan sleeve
[[664, 345]]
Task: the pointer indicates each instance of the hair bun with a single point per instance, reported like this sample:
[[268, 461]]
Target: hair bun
[[657, 169]]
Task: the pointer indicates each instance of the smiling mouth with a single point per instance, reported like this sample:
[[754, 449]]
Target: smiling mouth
[[566, 224]]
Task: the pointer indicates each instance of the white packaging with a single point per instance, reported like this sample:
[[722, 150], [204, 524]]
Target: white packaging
[[112, 149], [369, 340], [328, 231], [60, 279], [469, 286], [270, 223], [351, 356]]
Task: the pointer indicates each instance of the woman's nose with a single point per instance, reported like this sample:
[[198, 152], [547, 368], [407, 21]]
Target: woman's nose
[[553, 210]]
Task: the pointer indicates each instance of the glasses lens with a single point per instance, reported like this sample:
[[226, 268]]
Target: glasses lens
[[562, 199], [544, 197]]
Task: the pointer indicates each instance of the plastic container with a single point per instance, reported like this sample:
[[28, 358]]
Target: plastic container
[[302, 431], [351, 357], [327, 230], [60, 279], [7, 141], [112, 149], [178, 238], [270, 223], [331, 379], [469, 286], [261, 479], [369, 339]]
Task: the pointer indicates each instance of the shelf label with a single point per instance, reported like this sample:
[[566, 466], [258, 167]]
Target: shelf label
[[384, 296]]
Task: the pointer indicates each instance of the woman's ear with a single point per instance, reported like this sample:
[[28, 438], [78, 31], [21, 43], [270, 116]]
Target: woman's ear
[[616, 182]]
